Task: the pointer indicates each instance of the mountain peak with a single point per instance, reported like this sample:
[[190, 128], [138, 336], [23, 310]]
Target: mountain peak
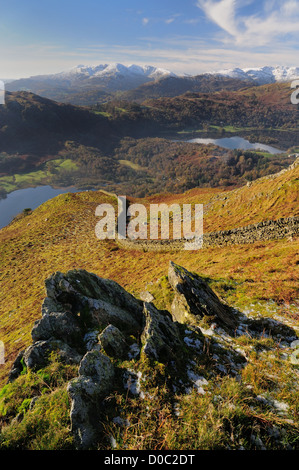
[[115, 69], [110, 77], [262, 75]]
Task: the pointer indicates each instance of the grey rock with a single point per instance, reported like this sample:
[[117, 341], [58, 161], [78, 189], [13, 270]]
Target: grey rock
[[146, 296], [59, 325], [91, 340], [96, 301], [160, 338], [95, 380], [104, 314], [17, 367], [50, 305], [32, 403], [97, 366], [82, 425], [36, 356], [113, 342], [194, 299]]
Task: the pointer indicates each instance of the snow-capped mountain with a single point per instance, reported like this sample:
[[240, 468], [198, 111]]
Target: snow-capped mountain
[[112, 71], [262, 75], [110, 77], [89, 84]]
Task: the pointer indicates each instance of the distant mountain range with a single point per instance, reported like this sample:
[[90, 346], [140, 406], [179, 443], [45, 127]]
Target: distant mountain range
[[88, 85], [110, 77], [261, 75]]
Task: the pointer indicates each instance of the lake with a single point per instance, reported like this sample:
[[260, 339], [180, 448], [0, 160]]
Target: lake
[[21, 199], [31, 198], [237, 143]]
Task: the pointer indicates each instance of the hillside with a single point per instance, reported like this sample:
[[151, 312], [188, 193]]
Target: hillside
[[268, 198], [254, 111], [34, 125], [164, 87], [260, 280], [60, 236]]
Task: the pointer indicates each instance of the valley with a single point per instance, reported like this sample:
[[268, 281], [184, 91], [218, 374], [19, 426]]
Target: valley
[[61, 145]]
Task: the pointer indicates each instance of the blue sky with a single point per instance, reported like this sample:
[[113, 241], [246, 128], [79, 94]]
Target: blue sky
[[190, 36]]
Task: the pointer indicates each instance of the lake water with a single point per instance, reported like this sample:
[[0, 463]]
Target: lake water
[[237, 143], [21, 199]]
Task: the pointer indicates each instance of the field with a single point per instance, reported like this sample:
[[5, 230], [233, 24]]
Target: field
[[58, 167]]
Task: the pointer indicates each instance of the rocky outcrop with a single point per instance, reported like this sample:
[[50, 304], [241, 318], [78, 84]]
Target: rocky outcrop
[[194, 299], [81, 317], [94, 301], [95, 324]]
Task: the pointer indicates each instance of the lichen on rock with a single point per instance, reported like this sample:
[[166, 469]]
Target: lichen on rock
[[95, 380], [113, 342], [160, 337], [194, 299]]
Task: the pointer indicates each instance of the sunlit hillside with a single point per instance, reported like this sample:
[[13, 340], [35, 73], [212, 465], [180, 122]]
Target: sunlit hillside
[[60, 236]]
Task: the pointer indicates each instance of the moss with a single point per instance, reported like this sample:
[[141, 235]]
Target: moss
[[16, 394], [45, 427], [162, 292], [24, 406]]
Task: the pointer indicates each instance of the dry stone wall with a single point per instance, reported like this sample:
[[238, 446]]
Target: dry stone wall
[[262, 231]]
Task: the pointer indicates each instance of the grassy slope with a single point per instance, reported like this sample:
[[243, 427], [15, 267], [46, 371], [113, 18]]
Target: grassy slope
[[59, 236], [268, 198]]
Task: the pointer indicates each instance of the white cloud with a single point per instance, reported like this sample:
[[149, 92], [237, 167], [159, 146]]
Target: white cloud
[[172, 18], [290, 7], [222, 13], [145, 21], [181, 55], [192, 21], [275, 20]]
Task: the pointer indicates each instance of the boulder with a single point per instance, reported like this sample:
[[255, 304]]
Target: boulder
[[98, 367], [146, 296], [37, 355], [194, 299], [160, 337], [113, 342], [95, 301]]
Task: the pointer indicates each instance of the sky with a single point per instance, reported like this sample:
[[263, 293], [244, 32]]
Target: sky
[[184, 36]]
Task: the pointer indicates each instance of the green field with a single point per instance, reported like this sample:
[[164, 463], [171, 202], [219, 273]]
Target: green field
[[37, 177]]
